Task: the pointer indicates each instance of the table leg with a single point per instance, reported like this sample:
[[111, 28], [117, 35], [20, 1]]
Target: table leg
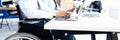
[[93, 36], [7, 23], [109, 36], [1, 23]]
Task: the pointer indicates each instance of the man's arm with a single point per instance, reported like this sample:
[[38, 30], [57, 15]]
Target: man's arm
[[30, 9]]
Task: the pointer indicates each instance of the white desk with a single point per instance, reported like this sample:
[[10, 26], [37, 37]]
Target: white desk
[[101, 23]]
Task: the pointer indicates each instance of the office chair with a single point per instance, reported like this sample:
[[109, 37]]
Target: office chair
[[6, 3], [96, 6]]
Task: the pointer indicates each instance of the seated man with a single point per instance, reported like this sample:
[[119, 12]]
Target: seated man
[[42, 9]]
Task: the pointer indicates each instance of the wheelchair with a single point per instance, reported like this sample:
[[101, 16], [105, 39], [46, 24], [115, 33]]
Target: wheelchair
[[30, 29]]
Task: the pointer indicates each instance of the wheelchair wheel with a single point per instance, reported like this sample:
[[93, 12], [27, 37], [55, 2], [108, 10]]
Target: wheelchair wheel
[[22, 36]]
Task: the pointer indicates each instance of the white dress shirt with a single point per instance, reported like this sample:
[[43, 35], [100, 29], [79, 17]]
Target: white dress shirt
[[31, 10]]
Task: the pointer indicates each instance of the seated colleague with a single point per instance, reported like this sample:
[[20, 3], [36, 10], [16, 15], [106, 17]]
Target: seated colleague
[[42, 9]]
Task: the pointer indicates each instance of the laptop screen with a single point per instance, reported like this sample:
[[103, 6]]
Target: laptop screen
[[77, 9]]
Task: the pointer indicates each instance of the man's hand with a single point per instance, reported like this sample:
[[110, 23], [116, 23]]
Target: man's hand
[[62, 14], [72, 9]]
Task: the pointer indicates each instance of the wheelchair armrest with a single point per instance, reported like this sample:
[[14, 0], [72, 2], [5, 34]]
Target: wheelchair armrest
[[37, 19], [34, 21]]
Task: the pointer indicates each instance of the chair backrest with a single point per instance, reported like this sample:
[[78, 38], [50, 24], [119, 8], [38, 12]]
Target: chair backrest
[[20, 13], [96, 5]]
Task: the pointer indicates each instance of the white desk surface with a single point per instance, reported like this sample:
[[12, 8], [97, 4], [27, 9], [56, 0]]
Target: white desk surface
[[101, 23]]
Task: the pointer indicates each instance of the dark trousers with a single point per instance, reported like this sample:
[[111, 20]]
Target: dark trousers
[[37, 29]]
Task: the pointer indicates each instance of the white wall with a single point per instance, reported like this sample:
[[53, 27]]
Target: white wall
[[112, 8]]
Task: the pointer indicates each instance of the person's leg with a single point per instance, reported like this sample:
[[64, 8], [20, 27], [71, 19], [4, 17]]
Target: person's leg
[[71, 37], [58, 34], [44, 34], [36, 29]]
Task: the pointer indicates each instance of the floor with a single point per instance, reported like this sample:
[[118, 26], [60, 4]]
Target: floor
[[5, 31]]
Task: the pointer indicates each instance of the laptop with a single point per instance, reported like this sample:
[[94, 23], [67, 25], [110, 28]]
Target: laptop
[[74, 15]]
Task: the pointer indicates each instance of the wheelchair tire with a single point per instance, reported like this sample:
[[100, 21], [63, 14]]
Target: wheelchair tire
[[22, 36]]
